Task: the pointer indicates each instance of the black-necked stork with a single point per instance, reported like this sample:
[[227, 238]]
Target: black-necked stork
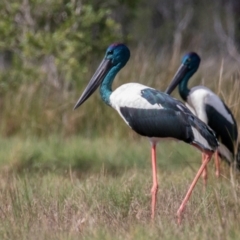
[[207, 106], [150, 113]]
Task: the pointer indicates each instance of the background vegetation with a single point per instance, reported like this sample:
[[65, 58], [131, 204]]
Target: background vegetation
[[61, 170]]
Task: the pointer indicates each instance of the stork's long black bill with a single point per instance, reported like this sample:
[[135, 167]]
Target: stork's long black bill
[[182, 70], [95, 81]]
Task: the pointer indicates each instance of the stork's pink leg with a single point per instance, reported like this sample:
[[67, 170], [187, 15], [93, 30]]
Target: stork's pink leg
[[189, 192], [204, 173], [155, 183], [217, 164]]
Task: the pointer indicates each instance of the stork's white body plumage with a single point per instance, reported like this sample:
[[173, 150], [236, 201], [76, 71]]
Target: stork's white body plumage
[[197, 100], [129, 95], [200, 96]]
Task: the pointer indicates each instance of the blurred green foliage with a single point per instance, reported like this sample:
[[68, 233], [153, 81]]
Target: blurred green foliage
[[67, 32]]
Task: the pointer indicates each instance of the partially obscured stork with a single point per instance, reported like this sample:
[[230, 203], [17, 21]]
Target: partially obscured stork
[[210, 109], [150, 113]]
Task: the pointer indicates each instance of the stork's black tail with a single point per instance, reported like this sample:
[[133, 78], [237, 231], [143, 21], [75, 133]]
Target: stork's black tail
[[204, 136]]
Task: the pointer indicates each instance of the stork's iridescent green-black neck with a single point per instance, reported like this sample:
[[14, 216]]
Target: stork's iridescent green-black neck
[[149, 112], [191, 61], [117, 58]]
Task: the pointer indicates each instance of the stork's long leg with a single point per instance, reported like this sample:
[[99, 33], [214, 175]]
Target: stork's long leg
[[189, 192], [217, 164], [204, 173], [155, 183]]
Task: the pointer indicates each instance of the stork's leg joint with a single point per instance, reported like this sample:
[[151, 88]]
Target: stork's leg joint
[[217, 164], [179, 214], [154, 189]]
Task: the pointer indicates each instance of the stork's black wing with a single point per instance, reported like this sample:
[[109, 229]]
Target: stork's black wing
[[171, 120], [226, 131]]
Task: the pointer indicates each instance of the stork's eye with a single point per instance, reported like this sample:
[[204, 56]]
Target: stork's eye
[[110, 52], [189, 60]]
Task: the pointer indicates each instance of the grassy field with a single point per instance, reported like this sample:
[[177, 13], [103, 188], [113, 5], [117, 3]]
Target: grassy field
[[78, 188]]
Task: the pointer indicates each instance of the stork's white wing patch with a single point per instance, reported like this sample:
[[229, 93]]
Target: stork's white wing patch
[[199, 138], [129, 95]]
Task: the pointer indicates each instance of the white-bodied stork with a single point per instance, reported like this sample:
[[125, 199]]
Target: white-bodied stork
[[207, 106], [150, 113]]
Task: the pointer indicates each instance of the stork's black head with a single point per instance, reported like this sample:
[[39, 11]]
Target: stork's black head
[[115, 58], [117, 53], [191, 60], [190, 63]]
